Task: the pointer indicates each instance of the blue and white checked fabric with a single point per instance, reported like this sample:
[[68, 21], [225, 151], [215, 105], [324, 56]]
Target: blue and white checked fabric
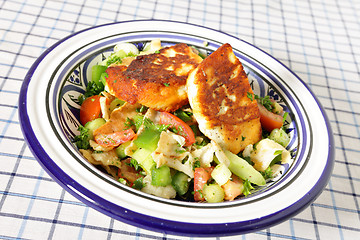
[[318, 39]]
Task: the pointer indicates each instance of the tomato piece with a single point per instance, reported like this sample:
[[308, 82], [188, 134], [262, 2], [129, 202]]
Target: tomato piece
[[114, 139], [269, 120], [201, 177], [182, 128], [90, 109]]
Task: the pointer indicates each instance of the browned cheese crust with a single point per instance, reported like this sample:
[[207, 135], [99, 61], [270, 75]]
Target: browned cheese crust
[[156, 80], [218, 90]]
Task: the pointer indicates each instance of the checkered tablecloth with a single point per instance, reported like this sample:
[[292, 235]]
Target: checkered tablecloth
[[317, 39]]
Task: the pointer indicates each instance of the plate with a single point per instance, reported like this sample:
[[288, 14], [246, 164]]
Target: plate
[[49, 112]]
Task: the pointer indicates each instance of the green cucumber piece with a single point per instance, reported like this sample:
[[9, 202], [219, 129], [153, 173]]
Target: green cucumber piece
[[138, 121], [221, 174], [93, 125], [148, 139], [243, 169], [280, 136], [161, 176], [115, 104], [180, 182], [120, 150], [96, 72], [213, 193], [144, 158]]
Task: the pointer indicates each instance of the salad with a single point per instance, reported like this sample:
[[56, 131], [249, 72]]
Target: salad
[[165, 153]]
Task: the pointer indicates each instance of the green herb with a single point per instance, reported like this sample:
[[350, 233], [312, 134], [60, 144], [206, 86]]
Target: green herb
[[201, 144], [243, 138], [122, 180], [247, 187], [138, 183], [91, 89], [96, 151], [162, 127], [166, 84], [196, 164], [113, 58], [157, 51], [267, 173], [183, 115], [174, 130], [133, 163], [129, 123], [180, 151], [285, 116], [82, 140], [250, 96], [265, 101], [142, 109]]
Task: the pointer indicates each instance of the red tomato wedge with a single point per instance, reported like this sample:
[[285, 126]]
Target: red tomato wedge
[[182, 128], [269, 120], [114, 139], [201, 176], [90, 109]]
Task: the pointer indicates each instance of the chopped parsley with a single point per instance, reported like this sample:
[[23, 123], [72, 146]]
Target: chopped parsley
[[92, 89], [138, 183], [183, 115], [82, 140], [142, 109], [268, 173], [133, 163], [196, 164], [129, 123], [247, 187], [265, 101]]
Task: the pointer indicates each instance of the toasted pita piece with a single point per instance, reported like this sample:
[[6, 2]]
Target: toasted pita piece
[[118, 118], [156, 80], [217, 91]]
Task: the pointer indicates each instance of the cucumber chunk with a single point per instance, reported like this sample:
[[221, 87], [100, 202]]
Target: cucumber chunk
[[96, 72], [120, 150], [148, 139], [279, 136], [93, 125], [244, 170], [115, 104], [213, 193], [161, 176], [144, 158], [180, 182], [221, 174], [138, 121]]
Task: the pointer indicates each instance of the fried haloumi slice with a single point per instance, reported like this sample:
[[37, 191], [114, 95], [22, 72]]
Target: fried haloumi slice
[[156, 80], [217, 91]]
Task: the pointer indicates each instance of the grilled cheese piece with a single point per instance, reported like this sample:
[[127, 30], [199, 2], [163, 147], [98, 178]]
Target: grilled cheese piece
[[156, 80], [217, 91]]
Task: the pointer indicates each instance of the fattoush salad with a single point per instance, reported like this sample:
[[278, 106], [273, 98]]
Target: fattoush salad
[[174, 122]]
